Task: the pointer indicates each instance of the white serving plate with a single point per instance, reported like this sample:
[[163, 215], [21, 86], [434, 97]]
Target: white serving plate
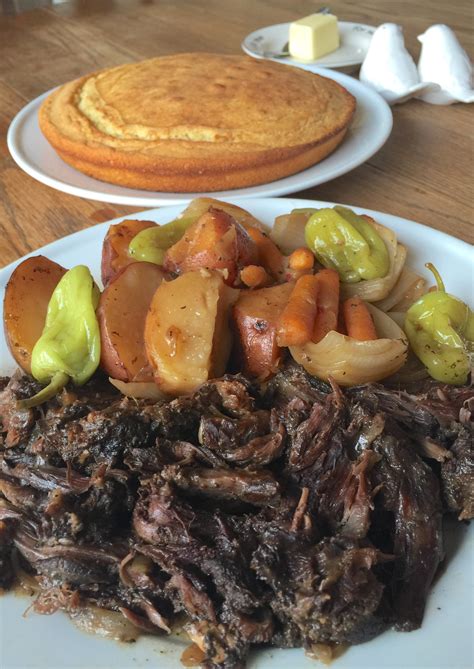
[[369, 131], [354, 44], [444, 641]]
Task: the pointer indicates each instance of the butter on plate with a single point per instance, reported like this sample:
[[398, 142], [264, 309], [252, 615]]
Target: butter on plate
[[313, 36]]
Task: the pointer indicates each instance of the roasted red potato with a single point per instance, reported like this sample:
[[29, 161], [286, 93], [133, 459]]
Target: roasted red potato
[[25, 305], [255, 319], [115, 247], [187, 333], [216, 241], [122, 312]]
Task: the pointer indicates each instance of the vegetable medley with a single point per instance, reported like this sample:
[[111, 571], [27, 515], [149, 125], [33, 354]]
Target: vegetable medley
[[214, 291]]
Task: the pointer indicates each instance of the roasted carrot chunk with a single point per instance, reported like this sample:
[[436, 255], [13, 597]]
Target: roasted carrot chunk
[[301, 259], [295, 326], [254, 276], [359, 323], [268, 252], [328, 303]]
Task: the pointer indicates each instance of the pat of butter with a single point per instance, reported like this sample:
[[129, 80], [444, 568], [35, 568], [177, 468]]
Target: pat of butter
[[314, 36]]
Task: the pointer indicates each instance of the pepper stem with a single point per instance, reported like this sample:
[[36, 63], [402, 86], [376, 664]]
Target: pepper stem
[[56, 384], [437, 276]]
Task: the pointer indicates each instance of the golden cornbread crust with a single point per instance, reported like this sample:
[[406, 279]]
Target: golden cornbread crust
[[196, 122]]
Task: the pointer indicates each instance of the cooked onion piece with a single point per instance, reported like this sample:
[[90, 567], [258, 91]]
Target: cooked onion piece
[[139, 390], [417, 290], [200, 205], [105, 623], [288, 231], [378, 289], [397, 316], [408, 289], [350, 362], [413, 369]]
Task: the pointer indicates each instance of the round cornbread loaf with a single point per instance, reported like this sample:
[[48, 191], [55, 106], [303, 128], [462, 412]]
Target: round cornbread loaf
[[196, 122]]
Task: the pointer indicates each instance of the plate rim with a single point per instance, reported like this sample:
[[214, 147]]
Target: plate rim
[[291, 61], [370, 99], [463, 246]]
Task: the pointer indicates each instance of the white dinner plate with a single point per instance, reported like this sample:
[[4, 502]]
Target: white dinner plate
[[354, 44], [369, 131], [445, 639]]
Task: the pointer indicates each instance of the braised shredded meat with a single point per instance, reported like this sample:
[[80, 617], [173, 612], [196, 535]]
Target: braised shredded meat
[[293, 514]]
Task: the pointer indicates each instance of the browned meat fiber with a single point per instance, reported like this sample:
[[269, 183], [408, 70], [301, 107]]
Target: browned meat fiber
[[293, 514]]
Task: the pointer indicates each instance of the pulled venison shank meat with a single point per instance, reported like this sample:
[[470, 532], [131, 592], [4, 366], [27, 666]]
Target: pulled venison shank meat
[[290, 515]]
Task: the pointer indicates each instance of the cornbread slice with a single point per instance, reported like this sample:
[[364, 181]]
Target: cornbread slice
[[196, 122]]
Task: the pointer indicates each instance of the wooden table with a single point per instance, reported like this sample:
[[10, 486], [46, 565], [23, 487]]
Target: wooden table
[[424, 171]]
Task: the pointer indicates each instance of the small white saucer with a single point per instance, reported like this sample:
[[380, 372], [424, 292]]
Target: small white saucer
[[354, 38]]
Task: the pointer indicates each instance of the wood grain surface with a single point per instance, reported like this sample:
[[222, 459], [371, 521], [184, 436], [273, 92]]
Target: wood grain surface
[[424, 171]]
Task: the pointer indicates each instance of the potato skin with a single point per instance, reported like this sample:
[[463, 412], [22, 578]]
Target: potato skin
[[254, 317], [115, 247], [214, 241], [25, 305], [187, 333], [122, 312]]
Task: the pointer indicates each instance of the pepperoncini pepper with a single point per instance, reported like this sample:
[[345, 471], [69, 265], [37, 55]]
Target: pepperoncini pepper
[[440, 329], [69, 346], [151, 244], [348, 243]]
